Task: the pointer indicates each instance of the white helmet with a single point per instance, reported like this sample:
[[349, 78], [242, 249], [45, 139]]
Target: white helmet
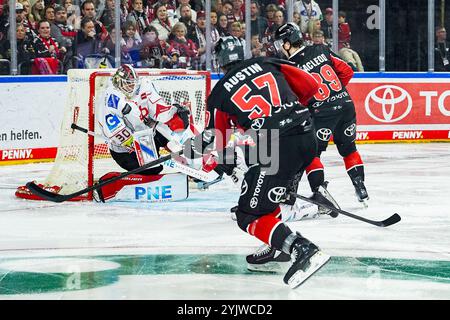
[[126, 80]]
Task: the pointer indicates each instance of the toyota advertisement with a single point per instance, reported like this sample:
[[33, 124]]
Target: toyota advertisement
[[412, 110]]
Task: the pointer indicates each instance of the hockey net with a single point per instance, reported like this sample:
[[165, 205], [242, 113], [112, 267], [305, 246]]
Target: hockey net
[[81, 158]]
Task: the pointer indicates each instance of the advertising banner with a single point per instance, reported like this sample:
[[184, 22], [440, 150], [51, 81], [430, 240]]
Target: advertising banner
[[401, 110], [398, 108]]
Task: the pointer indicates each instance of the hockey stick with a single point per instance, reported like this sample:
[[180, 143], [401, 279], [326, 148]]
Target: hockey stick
[[385, 223], [50, 196], [76, 127]]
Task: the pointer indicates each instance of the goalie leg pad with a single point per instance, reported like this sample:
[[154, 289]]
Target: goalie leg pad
[[140, 188]]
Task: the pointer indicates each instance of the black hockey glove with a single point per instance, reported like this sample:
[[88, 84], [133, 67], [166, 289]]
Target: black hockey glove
[[227, 162], [183, 112]]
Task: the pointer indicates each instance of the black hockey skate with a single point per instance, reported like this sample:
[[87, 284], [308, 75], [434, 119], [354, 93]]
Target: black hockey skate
[[322, 195], [360, 189], [267, 259], [306, 259]]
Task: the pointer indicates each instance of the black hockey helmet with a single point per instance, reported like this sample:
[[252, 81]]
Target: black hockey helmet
[[229, 50], [288, 32]]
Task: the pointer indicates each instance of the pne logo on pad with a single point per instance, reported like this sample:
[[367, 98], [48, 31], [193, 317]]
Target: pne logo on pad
[[153, 193]]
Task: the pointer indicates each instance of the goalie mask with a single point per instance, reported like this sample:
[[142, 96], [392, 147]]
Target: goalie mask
[[287, 32], [229, 50], [126, 80]]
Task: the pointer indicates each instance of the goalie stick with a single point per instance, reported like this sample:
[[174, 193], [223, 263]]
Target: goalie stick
[[50, 196], [385, 223], [206, 177]]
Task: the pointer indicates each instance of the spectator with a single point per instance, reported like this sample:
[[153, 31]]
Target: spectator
[[442, 50], [64, 34], [200, 38], [308, 9], [29, 20], [257, 47], [198, 5], [87, 40], [313, 26], [327, 26], [178, 11], [37, 10], [213, 18], [154, 51], [344, 32], [217, 5], [162, 22], [107, 18], [73, 12], [138, 16], [318, 37], [132, 41], [186, 18], [259, 24], [238, 10], [110, 48], [278, 20], [270, 13], [47, 51], [20, 19], [88, 10], [170, 9], [183, 50], [222, 27], [296, 18], [236, 30], [227, 10], [49, 13], [25, 51], [99, 8], [124, 10], [352, 58]]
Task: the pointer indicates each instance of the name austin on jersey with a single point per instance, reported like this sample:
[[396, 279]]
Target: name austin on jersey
[[242, 75]]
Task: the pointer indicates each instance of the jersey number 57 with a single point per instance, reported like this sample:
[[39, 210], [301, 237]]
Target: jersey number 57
[[257, 105]]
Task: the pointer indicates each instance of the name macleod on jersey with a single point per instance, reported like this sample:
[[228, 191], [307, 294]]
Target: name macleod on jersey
[[242, 75], [317, 61]]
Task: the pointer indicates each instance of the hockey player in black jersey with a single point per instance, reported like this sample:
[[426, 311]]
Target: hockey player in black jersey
[[264, 97], [332, 107]]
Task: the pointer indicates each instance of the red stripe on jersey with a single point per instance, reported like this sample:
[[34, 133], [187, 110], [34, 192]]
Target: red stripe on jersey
[[302, 83], [352, 160], [316, 164], [264, 227], [342, 69]]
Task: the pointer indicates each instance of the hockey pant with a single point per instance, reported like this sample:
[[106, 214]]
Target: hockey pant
[[258, 208]]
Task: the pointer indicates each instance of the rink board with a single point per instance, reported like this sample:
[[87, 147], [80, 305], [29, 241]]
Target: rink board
[[400, 107]]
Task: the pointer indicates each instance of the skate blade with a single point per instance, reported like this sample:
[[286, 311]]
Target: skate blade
[[364, 202], [269, 267], [317, 261]]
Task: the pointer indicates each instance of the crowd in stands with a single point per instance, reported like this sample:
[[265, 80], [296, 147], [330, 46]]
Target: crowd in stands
[[56, 35]]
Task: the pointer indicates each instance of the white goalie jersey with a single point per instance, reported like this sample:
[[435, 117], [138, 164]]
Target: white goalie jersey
[[121, 117]]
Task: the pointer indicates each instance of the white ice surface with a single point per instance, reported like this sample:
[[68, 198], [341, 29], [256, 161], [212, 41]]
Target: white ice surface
[[410, 179]]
